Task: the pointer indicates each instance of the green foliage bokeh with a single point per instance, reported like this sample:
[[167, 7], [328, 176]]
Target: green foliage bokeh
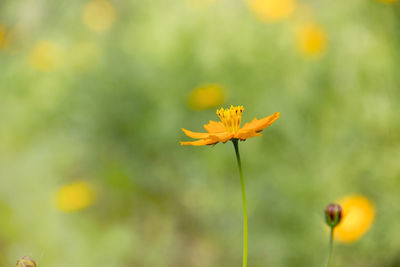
[[117, 125]]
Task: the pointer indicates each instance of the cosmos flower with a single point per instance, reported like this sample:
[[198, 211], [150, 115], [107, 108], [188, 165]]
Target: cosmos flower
[[358, 216], [229, 128]]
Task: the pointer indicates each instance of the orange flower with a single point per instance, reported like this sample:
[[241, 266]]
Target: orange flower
[[229, 128]]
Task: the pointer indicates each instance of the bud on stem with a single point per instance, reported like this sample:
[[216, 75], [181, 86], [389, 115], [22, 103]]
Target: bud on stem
[[333, 215], [26, 261]]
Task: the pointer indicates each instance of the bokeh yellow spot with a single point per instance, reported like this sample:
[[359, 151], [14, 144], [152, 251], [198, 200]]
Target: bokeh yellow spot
[[206, 97], [311, 39], [45, 56], [74, 197], [4, 37], [99, 15], [358, 216], [272, 10], [388, 1]]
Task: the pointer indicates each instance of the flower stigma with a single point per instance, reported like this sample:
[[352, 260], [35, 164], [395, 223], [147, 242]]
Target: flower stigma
[[231, 118]]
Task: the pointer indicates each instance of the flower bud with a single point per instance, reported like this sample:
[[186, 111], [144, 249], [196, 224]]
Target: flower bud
[[26, 261], [333, 214]]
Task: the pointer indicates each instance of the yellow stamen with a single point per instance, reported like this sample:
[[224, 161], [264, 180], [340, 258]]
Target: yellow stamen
[[231, 117]]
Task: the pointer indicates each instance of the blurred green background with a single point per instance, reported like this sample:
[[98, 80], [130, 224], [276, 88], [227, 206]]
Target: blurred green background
[[93, 96]]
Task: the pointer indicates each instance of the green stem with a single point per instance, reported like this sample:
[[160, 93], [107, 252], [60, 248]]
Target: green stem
[[330, 247], [236, 145]]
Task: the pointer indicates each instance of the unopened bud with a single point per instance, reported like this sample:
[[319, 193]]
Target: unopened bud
[[26, 261], [333, 214]]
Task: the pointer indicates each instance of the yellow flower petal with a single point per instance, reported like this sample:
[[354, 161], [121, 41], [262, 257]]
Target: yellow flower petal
[[196, 135], [215, 127], [221, 137], [258, 125], [244, 134], [358, 216], [201, 142]]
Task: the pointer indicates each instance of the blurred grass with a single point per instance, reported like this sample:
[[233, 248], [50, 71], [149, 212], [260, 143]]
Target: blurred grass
[[109, 113]]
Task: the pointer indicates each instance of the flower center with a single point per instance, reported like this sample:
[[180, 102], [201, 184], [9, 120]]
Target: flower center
[[231, 117]]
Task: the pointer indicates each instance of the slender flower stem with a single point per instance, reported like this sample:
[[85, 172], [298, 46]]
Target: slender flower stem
[[236, 145], [330, 247]]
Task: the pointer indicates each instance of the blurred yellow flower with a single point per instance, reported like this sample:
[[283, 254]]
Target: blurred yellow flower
[[272, 10], [45, 56], [205, 97], [311, 39], [74, 197], [4, 37], [99, 15], [358, 215], [388, 1]]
